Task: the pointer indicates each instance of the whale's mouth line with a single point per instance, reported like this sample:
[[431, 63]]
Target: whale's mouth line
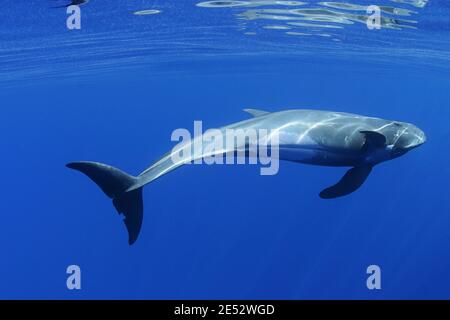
[[403, 150], [420, 141]]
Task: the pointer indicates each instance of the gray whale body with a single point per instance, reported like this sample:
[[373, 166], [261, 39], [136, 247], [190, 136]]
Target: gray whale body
[[315, 137]]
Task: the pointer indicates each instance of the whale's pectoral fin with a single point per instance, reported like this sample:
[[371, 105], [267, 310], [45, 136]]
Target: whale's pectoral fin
[[350, 182], [256, 113], [374, 139]]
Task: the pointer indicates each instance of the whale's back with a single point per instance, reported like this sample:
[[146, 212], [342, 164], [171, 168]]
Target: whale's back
[[320, 129]]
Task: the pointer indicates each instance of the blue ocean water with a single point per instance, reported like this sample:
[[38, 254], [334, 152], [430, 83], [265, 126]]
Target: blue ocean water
[[115, 90]]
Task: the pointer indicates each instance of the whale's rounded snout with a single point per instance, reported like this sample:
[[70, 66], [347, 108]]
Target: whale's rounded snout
[[422, 138], [417, 137], [409, 138]]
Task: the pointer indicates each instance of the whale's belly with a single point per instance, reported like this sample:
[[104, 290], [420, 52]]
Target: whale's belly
[[318, 156]]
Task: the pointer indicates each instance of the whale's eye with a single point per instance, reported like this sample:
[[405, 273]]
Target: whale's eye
[[397, 124]]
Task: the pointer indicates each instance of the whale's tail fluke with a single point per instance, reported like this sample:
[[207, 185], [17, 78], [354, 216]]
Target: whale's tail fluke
[[115, 184]]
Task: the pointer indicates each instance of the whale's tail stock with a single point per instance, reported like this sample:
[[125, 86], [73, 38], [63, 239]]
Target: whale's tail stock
[[115, 184]]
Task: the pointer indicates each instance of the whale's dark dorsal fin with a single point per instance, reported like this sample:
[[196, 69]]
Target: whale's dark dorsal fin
[[350, 182], [256, 113]]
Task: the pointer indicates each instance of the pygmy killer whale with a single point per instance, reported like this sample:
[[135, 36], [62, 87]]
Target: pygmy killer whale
[[306, 136]]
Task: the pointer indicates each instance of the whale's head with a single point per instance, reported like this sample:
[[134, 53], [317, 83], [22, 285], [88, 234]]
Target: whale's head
[[406, 138]]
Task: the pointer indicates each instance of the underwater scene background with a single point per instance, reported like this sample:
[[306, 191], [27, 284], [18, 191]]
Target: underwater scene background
[[114, 90]]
